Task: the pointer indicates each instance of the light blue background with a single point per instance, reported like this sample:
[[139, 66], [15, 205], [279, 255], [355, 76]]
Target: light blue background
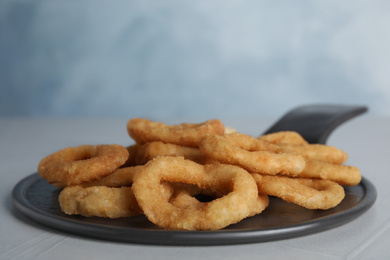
[[207, 59]]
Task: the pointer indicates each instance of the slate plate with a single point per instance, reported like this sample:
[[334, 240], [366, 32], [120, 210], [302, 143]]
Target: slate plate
[[39, 200]]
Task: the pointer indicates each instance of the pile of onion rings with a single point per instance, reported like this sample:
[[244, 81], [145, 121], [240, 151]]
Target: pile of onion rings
[[196, 176]]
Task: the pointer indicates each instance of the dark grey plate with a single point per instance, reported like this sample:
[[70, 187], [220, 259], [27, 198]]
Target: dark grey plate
[[38, 200]]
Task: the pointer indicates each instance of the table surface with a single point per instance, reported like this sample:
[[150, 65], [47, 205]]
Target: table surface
[[24, 142]]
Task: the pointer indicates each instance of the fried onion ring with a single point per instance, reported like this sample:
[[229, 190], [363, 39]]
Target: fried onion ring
[[213, 215], [151, 150], [319, 152], [342, 174], [133, 150], [119, 178], [294, 142], [308, 193], [99, 201], [102, 201], [74, 165], [283, 137], [229, 130], [186, 134], [251, 154]]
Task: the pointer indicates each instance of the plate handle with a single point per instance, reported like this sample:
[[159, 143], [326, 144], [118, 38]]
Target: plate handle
[[316, 122]]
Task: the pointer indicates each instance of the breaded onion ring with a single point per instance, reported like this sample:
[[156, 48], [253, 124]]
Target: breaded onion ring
[[120, 177], [319, 152], [74, 165], [133, 150], [308, 193], [99, 201], [151, 150], [229, 130], [102, 201], [294, 142], [283, 137], [251, 154], [187, 134], [342, 174], [213, 215]]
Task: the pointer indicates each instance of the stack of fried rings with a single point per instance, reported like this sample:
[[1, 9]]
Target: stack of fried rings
[[169, 165]]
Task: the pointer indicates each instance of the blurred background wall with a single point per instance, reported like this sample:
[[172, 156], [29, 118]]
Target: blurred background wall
[[206, 59]]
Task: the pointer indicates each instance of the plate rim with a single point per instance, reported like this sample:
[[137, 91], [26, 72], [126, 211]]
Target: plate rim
[[185, 238]]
